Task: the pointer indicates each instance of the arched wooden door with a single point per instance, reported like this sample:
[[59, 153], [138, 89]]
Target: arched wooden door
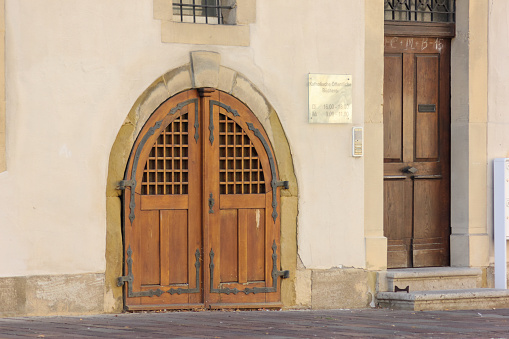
[[201, 208]]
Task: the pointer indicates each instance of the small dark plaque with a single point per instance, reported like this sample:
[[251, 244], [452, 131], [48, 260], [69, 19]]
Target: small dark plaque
[[427, 108]]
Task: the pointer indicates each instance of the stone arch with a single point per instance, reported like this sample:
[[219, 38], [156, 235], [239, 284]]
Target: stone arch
[[203, 70]]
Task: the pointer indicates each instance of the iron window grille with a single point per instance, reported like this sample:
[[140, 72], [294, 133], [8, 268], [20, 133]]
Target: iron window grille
[[420, 10], [204, 11]]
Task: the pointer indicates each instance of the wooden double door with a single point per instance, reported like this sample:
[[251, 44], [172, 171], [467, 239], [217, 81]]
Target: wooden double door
[[201, 208], [417, 151]]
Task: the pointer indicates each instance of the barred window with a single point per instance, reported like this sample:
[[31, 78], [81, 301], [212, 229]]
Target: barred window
[[421, 10], [218, 12]]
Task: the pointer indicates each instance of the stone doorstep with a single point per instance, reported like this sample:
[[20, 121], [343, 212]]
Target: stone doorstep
[[433, 278], [468, 299]]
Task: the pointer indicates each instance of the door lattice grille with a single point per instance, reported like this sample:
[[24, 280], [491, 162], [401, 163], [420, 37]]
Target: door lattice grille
[[240, 168], [167, 167]]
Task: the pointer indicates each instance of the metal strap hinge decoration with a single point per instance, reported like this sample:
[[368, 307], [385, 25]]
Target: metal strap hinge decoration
[[149, 133], [274, 182], [213, 103], [283, 184], [275, 274], [132, 183], [123, 184]]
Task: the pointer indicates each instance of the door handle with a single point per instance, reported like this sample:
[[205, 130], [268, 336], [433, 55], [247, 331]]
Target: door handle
[[409, 170]]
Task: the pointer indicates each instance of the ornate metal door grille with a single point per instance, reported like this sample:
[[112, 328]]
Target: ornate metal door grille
[[202, 11], [421, 10], [240, 168], [166, 170]]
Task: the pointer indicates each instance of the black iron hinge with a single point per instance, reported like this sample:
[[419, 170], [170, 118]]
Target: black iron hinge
[[284, 184], [283, 274], [123, 184]]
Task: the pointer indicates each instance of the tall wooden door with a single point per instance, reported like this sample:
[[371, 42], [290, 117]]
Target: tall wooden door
[[417, 151], [201, 208]]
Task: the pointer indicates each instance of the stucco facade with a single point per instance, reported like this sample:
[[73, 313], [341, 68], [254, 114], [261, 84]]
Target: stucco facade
[[83, 76]]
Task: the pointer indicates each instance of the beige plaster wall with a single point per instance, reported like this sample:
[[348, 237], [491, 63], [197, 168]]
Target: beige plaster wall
[[3, 164], [498, 95], [75, 69]]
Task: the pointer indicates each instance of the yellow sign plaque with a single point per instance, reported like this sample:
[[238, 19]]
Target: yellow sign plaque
[[330, 99]]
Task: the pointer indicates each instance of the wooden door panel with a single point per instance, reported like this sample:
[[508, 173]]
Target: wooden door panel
[[242, 200], [398, 207], [399, 253], [229, 253], [426, 137], [164, 202], [427, 78], [426, 125], [254, 220], [393, 108], [427, 209], [149, 258], [430, 252], [179, 256]]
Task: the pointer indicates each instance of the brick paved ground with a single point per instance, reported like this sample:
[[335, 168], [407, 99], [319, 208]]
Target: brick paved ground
[[269, 324]]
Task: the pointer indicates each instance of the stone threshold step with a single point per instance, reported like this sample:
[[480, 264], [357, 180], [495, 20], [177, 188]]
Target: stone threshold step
[[441, 300], [431, 278], [433, 272]]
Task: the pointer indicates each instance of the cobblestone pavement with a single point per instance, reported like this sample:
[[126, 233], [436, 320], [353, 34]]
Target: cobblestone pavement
[[368, 323]]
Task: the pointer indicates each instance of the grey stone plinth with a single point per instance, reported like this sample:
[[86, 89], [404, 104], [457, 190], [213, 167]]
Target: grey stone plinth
[[467, 299], [433, 278]]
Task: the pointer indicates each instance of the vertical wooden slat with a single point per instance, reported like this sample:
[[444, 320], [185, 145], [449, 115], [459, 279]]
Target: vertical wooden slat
[[242, 245], [165, 225], [393, 109], [212, 221], [195, 203]]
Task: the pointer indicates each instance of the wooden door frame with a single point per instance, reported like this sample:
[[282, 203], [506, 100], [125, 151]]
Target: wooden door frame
[[470, 175], [171, 83]]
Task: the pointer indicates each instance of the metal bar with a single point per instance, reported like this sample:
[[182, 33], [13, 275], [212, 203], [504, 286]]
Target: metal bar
[[181, 12], [194, 11], [432, 7], [203, 6], [206, 13], [218, 11], [432, 176], [415, 10]]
